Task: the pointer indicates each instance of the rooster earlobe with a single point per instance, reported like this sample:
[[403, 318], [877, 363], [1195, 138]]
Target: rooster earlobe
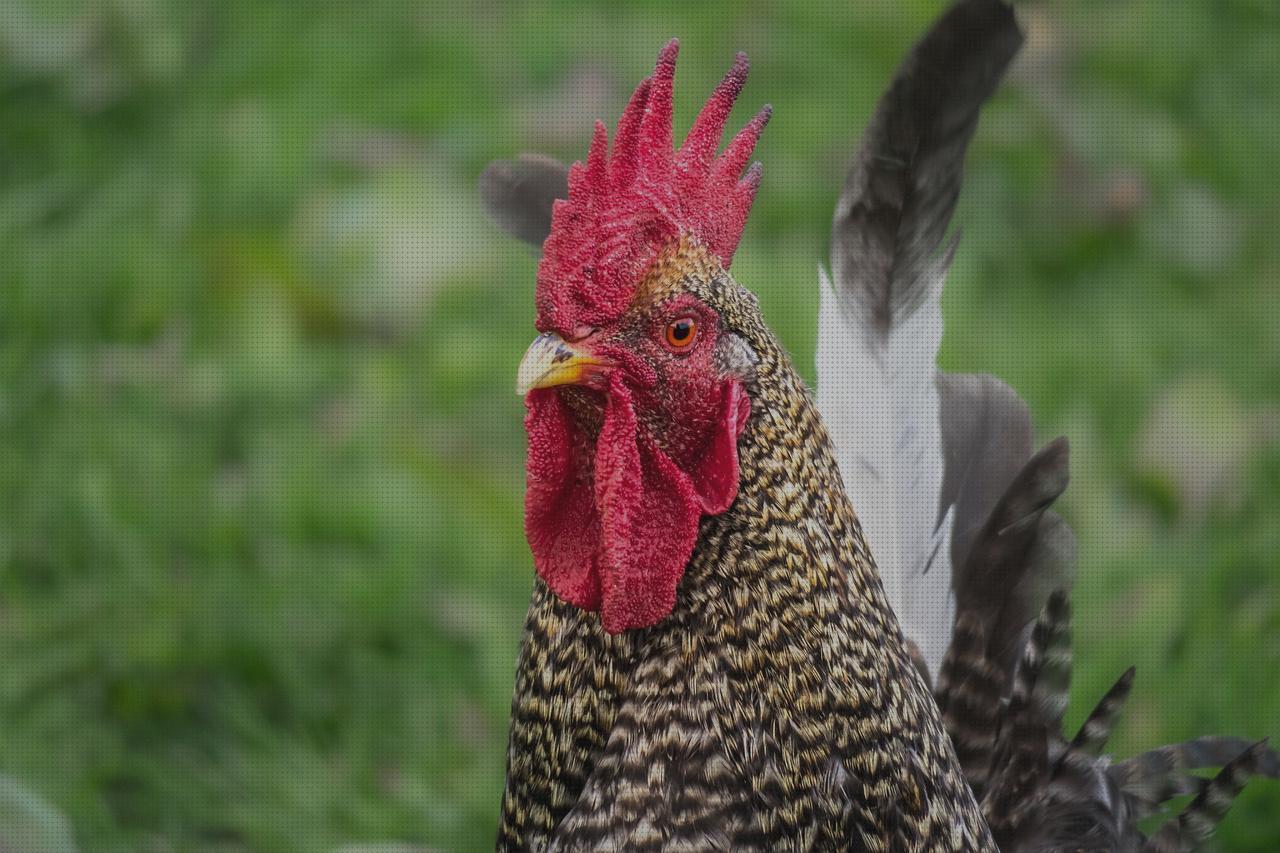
[[715, 475]]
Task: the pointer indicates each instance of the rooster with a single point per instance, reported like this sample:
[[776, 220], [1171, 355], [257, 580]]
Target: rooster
[[711, 658]]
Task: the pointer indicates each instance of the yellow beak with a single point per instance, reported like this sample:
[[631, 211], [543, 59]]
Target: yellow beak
[[552, 361]]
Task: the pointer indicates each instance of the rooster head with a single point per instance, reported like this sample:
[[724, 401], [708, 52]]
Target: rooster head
[[634, 405]]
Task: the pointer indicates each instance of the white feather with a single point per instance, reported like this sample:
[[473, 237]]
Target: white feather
[[878, 397]]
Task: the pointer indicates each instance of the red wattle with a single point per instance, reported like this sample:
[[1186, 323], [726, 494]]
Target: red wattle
[[560, 517], [649, 520], [612, 527]]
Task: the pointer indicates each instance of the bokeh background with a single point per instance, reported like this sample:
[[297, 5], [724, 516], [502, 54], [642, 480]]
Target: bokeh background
[[262, 573]]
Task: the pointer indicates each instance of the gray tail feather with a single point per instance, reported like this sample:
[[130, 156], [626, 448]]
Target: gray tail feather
[[1197, 754], [889, 255], [1020, 759], [1051, 640], [986, 439], [890, 252], [1039, 790], [518, 194], [1022, 553], [970, 694], [1153, 778], [1202, 815], [1095, 731], [891, 218]]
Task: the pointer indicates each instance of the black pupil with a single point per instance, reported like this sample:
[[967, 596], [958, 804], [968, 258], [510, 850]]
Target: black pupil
[[681, 330]]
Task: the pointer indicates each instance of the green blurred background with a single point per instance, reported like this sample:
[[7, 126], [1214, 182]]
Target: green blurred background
[[262, 573]]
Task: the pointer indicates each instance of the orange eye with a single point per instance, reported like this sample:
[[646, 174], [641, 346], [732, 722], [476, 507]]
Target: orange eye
[[681, 333]]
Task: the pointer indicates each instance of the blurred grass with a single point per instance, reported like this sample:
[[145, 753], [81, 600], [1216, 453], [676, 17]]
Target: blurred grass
[[262, 575]]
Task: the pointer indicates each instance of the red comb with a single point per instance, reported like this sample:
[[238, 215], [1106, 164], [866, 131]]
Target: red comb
[[624, 205]]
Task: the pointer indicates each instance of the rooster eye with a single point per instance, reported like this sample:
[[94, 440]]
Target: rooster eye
[[681, 333]]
